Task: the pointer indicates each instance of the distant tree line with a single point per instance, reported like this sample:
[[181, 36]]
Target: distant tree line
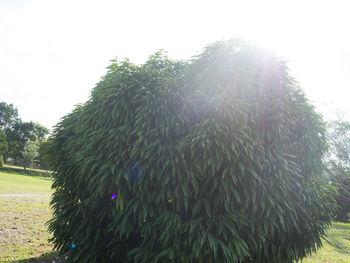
[[338, 164], [20, 141]]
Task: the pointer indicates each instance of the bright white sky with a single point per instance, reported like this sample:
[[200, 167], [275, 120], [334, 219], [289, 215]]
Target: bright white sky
[[52, 53]]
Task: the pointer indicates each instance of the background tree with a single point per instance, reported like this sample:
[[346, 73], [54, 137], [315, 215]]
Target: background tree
[[3, 146], [32, 131], [218, 159], [29, 153], [339, 164], [20, 133], [8, 116]]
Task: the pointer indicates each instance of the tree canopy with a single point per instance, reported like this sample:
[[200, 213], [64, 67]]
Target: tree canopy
[[217, 159], [8, 115], [18, 132]]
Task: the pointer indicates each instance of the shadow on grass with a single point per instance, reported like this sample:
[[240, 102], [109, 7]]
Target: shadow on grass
[[341, 226], [45, 258], [41, 177], [30, 171], [338, 237]]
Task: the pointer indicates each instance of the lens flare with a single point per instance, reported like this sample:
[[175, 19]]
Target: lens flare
[[134, 171]]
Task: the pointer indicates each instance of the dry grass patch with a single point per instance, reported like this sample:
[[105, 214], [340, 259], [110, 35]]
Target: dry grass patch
[[23, 233]]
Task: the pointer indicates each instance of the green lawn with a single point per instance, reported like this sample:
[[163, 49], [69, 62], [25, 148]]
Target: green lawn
[[336, 247], [13, 183], [24, 210], [20, 170]]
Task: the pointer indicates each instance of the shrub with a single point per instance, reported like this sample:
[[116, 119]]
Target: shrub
[[213, 160]]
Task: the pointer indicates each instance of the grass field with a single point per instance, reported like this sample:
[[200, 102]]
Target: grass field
[[336, 247], [13, 183], [24, 210]]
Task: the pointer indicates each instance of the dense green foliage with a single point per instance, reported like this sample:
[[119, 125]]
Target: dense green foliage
[[44, 155], [339, 165], [214, 160], [18, 132]]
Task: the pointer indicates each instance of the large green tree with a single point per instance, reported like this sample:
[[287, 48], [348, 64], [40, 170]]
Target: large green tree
[[8, 119], [218, 159], [339, 164], [3, 147]]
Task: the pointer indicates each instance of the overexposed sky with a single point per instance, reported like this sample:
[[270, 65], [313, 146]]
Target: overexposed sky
[[52, 53]]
